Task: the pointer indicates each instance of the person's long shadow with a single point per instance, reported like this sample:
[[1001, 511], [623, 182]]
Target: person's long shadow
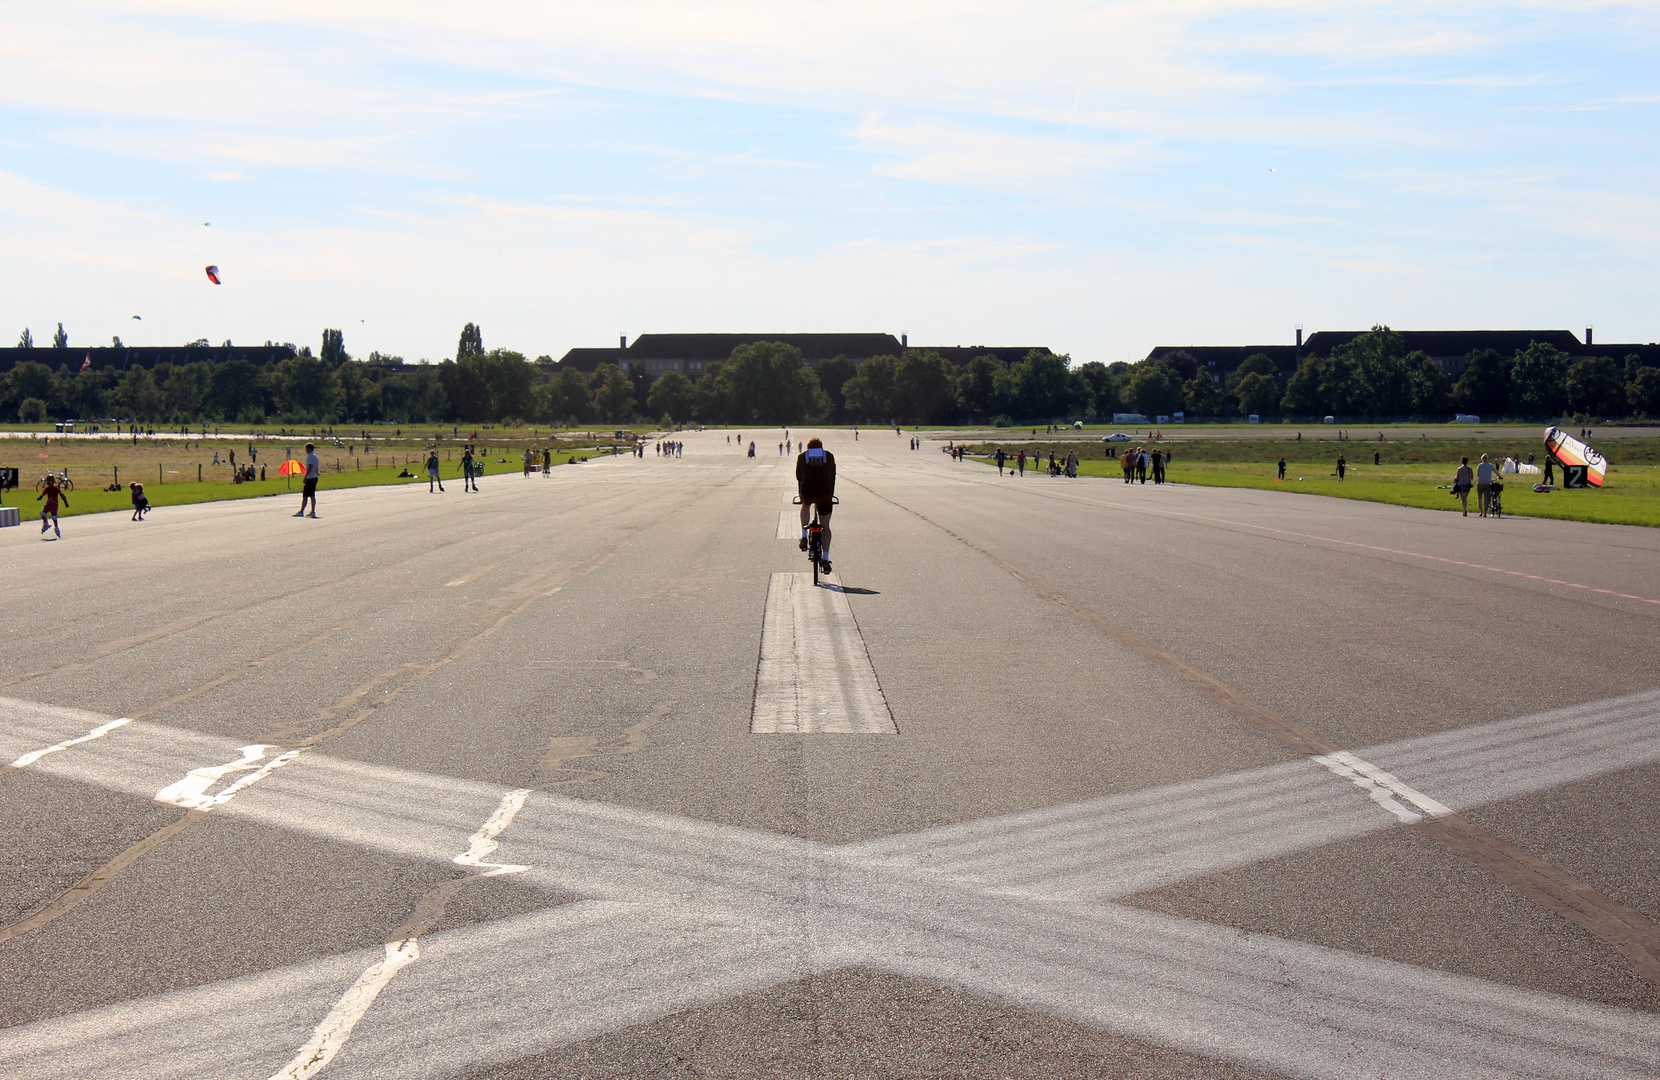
[[850, 592]]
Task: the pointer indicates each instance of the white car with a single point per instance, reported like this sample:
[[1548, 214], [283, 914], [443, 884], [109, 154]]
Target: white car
[[1117, 436]]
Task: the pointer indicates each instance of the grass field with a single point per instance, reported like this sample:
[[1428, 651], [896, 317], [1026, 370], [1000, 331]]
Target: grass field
[[1408, 473], [168, 468]]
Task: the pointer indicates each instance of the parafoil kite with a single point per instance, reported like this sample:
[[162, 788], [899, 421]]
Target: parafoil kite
[[1570, 453], [213, 274]]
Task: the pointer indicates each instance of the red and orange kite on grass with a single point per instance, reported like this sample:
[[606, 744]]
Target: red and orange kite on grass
[[1570, 453]]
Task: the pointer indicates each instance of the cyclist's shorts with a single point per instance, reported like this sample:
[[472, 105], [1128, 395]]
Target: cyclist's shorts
[[821, 501]]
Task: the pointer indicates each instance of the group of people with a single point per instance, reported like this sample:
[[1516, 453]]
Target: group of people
[[668, 448], [1137, 461]]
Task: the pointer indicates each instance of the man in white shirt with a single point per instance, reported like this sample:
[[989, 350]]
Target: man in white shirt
[[312, 466], [1484, 484]]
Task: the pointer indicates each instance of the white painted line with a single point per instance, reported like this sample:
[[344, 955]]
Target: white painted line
[[191, 792], [789, 525], [1383, 787], [814, 675], [332, 1034], [96, 733]]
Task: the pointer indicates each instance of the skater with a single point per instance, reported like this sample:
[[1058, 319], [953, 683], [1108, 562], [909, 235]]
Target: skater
[[432, 471], [49, 513]]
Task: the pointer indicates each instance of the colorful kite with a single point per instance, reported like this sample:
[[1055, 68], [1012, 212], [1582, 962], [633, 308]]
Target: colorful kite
[[213, 274], [1574, 455]]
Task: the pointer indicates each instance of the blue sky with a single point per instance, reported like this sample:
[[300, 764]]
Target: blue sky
[[1095, 177]]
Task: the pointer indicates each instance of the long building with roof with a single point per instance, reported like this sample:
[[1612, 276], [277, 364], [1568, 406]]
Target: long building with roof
[[658, 354]]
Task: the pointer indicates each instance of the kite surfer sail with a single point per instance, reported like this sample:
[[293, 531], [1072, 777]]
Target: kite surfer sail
[[213, 274], [1578, 461]]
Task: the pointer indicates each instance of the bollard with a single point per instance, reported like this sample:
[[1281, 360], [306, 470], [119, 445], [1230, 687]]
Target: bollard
[[158, 473], [198, 472]]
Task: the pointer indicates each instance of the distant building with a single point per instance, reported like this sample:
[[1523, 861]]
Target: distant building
[[689, 354], [1450, 349], [145, 356]]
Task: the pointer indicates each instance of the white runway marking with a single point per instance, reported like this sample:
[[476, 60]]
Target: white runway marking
[[96, 733], [1383, 787], [789, 525], [191, 792], [332, 1034], [687, 912], [814, 674]]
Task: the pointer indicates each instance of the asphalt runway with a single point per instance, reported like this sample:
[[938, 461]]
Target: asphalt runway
[[581, 776]]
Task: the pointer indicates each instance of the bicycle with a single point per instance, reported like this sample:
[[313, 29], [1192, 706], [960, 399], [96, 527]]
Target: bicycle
[[1495, 504], [815, 539], [62, 479]]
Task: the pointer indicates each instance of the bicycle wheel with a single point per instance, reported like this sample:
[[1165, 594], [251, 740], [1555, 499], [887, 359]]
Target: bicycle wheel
[[66, 484]]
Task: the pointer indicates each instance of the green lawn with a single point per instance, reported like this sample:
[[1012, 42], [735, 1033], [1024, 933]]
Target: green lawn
[[93, 500], [1632, 496]]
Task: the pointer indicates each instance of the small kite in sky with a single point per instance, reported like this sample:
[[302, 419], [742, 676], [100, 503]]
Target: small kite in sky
[[213, 274], [140, 318]]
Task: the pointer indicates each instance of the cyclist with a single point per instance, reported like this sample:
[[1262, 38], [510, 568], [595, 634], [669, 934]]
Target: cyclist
[[815, 479]]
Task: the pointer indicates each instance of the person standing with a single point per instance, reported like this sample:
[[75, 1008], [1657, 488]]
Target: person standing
[[547, 461], [1072, 463], [1462, 481], [1342, 467], [1282, 468], [308, 493], [1550, 469], [432, 471], [1484, 485], [49, 513]]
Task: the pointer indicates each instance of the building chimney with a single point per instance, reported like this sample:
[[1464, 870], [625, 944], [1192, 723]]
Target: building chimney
[[622, 341], [1588, 335], [1299, 335], [904, 341]]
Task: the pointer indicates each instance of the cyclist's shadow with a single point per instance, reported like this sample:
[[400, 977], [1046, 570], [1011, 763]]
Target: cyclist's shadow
[[851, 592]]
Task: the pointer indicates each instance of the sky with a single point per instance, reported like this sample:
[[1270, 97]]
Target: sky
[[1097, 178]]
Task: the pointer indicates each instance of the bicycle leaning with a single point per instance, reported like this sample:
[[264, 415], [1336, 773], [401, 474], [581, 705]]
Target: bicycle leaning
[[60, 478], [815, 540]]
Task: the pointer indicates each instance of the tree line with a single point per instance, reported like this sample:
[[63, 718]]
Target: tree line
[[1375, 375], [771, 383]]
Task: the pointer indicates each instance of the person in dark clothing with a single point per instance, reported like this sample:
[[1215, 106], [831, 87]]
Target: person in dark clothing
[[1282, 468], [815, 481], [1342, 467]]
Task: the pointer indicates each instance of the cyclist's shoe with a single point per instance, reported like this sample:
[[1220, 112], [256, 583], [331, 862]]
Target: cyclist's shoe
[[824, 564], [803, 543]]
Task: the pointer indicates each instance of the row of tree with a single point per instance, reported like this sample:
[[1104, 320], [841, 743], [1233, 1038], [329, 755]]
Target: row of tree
[[1375, 375], [771, 383]]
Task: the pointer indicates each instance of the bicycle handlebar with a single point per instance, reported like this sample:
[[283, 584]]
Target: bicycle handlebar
[[834, 501]]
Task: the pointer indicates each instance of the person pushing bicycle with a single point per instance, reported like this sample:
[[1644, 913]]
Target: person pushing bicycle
[[815, 480]]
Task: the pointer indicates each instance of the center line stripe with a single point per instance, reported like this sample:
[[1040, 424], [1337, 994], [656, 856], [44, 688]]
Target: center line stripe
[[815, 674]]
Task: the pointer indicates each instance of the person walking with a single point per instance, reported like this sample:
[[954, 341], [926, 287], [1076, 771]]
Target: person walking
[[1001, 457], [530, 456], [1462, 481], [49, 513], [547, 461], [1020, 462], [432, 471], [1072, 463], [308, 494], [1484, 485]]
